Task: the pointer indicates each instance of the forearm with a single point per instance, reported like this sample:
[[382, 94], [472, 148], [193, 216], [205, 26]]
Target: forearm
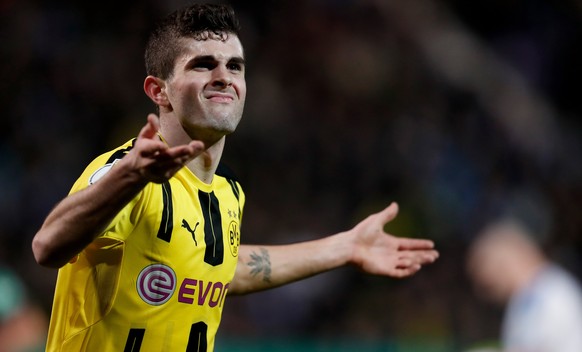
[[82, 216], [366, 246], [264, 267]]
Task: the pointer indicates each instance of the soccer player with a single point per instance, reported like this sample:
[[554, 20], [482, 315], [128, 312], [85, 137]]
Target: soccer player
[[148, 241]]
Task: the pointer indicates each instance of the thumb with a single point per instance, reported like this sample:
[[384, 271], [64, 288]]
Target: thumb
[[150, 129], [389, 213]]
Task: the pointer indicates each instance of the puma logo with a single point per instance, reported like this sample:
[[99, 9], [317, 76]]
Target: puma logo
[[186, 225]]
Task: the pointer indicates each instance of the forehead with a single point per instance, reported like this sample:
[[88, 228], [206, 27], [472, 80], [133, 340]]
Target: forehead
[[221, 50]]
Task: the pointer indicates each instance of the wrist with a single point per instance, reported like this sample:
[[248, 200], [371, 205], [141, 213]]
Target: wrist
[[121, 182], [345, 248], [127, 175]]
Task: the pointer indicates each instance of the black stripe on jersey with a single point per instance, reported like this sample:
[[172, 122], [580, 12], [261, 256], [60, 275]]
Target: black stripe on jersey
[[134, 340], [234, 187], [232, 180], [167, 224], [229, 175], [118, 154], [226, 172], [214, 253], [197, 341]]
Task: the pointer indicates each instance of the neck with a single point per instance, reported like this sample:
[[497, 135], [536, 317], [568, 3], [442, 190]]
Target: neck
[[204, 166], [526, 272]]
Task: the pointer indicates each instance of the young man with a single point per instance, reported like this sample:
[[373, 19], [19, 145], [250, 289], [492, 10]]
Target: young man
[[148, 241]]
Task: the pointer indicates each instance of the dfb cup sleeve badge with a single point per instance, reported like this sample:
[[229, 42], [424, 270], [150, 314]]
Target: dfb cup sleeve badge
[[99, 173]]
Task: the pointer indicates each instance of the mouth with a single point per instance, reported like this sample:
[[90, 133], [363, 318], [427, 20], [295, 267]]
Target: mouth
[[220, 97]]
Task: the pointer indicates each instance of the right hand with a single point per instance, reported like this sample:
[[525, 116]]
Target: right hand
[[153, 160]]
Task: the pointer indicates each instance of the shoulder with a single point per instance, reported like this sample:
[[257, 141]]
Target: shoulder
[[227, 174], [225, 171], [120, 151], [100, 165]]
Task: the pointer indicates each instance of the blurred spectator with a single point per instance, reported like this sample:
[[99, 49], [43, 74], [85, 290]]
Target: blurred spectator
[[23, 325], [543, 301]]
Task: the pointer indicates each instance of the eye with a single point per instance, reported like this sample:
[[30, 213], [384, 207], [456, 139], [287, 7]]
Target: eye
[[234, 66], [203, 66]]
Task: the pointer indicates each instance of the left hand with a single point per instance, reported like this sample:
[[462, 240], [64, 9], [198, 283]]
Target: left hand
[[379, 253]]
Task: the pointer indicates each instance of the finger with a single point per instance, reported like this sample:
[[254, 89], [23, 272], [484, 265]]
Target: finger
[[431, 256], [150, 129], [197, 145], [407, 262], [421, 257], [153, 150], [194, 148], [181, 154], [389, 213], [414, 243], [405, 270], [426, 258]]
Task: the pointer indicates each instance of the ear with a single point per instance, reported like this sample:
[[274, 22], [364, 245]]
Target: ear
[[155, 88]]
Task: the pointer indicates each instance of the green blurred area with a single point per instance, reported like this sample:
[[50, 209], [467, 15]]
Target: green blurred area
[[336, 345]]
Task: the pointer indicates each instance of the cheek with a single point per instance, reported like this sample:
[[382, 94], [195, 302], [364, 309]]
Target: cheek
[[241, 89], [186, 89], [189, 91]]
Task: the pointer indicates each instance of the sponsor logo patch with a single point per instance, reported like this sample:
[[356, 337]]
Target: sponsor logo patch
[[156, 284]]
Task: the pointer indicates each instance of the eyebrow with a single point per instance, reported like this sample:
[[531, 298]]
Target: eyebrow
[[237, 60]]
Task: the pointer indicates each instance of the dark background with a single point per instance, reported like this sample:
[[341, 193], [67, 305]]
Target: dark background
[[457, 110]]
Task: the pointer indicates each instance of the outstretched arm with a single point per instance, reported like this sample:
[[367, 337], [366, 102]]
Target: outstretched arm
[[82, 216], [366, 246]]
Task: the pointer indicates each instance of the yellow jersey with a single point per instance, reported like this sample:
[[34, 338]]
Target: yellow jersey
[[157, 278]]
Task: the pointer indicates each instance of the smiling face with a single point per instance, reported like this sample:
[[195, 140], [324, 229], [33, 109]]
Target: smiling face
[[206, 91]]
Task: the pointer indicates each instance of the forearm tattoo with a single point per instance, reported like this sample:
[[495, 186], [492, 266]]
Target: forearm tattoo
[[261, 263]]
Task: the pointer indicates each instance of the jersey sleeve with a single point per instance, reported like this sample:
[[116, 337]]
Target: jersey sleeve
[[124, 222]]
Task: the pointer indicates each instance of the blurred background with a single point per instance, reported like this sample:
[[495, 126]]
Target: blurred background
[[457, 110]]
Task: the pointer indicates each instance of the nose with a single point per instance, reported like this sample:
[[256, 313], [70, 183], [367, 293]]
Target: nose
[[221, 77]]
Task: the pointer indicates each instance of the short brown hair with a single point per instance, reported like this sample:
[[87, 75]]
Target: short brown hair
[[198, 21]]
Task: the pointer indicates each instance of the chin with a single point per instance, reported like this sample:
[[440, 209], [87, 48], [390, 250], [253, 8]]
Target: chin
[[227, 127]]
